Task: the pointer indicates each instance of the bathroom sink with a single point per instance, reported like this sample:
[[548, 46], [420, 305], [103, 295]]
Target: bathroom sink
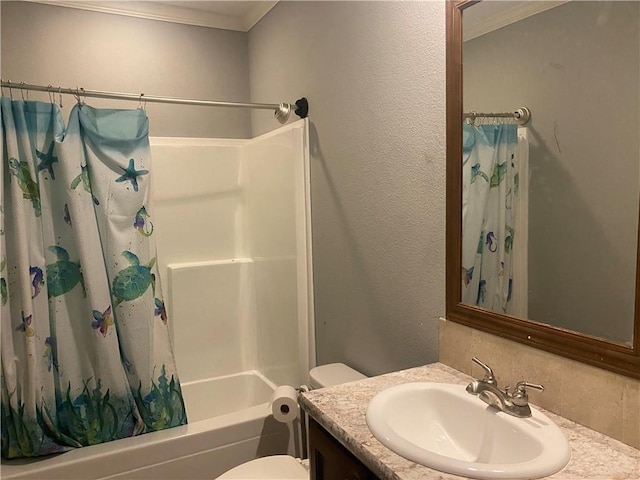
[[443, 427]]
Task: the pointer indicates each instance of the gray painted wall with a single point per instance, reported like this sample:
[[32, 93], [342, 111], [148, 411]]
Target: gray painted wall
[[44, 44], [374, 74], [577, 68]]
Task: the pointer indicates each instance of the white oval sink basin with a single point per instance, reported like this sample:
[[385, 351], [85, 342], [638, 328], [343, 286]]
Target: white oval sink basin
[[443, 427]]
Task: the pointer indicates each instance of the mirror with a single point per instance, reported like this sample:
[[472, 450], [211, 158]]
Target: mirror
[[542, 220], [572, 201]]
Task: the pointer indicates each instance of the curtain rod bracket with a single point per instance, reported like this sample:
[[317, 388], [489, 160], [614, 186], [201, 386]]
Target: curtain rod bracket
[[302, 108], [523, 115]]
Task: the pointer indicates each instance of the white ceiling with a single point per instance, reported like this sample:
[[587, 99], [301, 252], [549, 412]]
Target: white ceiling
[[228, 15]]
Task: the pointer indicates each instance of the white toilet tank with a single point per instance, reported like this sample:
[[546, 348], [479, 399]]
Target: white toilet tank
[[333, 374]]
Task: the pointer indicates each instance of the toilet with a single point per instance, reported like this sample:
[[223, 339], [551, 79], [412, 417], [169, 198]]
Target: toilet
[[286, 467]]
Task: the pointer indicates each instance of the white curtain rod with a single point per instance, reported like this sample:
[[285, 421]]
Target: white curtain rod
[[281, 111]]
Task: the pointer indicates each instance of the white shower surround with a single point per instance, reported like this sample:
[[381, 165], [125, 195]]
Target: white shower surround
[[233, 236], [230, 241]]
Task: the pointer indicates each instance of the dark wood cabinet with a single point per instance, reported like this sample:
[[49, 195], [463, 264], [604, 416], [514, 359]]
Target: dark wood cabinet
[[330, 460]]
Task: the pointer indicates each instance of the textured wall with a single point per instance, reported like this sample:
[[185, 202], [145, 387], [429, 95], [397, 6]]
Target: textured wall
[[44, 44], [374, 74]]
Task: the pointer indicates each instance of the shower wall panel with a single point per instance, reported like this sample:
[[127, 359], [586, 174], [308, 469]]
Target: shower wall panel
[[275, 185], [213, 318], [198, 199], [231, 220]]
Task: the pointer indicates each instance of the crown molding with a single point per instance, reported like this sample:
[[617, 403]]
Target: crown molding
[[501, 16], [255, 14], [171, 13]]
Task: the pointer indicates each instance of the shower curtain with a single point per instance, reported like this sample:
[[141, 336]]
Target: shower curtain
[[490, 195], [86, 355]]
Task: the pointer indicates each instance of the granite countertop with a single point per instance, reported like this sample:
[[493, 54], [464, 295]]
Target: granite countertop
[[341, 411]]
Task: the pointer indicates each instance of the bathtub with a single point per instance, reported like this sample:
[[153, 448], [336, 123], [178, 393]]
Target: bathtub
[[230, 423]]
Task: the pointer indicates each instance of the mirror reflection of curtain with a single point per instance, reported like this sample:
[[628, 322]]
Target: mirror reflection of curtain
[[519, 304], [490, 197]]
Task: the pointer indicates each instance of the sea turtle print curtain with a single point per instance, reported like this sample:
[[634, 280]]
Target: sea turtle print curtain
[[86, 354], [490, 191]]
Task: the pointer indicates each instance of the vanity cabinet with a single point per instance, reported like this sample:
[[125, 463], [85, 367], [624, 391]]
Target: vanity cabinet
[[330, 460]]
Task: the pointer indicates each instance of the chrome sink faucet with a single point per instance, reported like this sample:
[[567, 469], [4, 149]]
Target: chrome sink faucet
[[516, 403]]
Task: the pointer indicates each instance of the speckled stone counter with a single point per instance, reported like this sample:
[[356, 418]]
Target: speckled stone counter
[[341, 411]]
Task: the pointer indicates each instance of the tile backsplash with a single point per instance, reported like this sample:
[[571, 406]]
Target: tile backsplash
[[601, 400]]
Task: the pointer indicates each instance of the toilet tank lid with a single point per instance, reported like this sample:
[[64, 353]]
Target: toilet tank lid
[[333, 374]]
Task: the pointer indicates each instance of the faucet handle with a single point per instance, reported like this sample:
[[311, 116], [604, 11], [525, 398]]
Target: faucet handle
[[520, 386], [488, 373], [520, 396]]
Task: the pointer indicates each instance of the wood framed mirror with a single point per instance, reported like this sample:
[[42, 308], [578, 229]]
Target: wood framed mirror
[[622, 357]]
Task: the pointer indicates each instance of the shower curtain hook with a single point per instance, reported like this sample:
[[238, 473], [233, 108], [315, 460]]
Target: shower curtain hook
[[22, 91], [476, 120], [471, 117], [76, 95], [60, 95], [143, 103], [51, 98], [2, 87], [10, 90]]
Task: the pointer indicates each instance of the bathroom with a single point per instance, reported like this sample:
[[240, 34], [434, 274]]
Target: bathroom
[[375, 77]]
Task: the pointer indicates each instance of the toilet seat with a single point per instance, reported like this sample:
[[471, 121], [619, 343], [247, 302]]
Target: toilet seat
[[275, 467]]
